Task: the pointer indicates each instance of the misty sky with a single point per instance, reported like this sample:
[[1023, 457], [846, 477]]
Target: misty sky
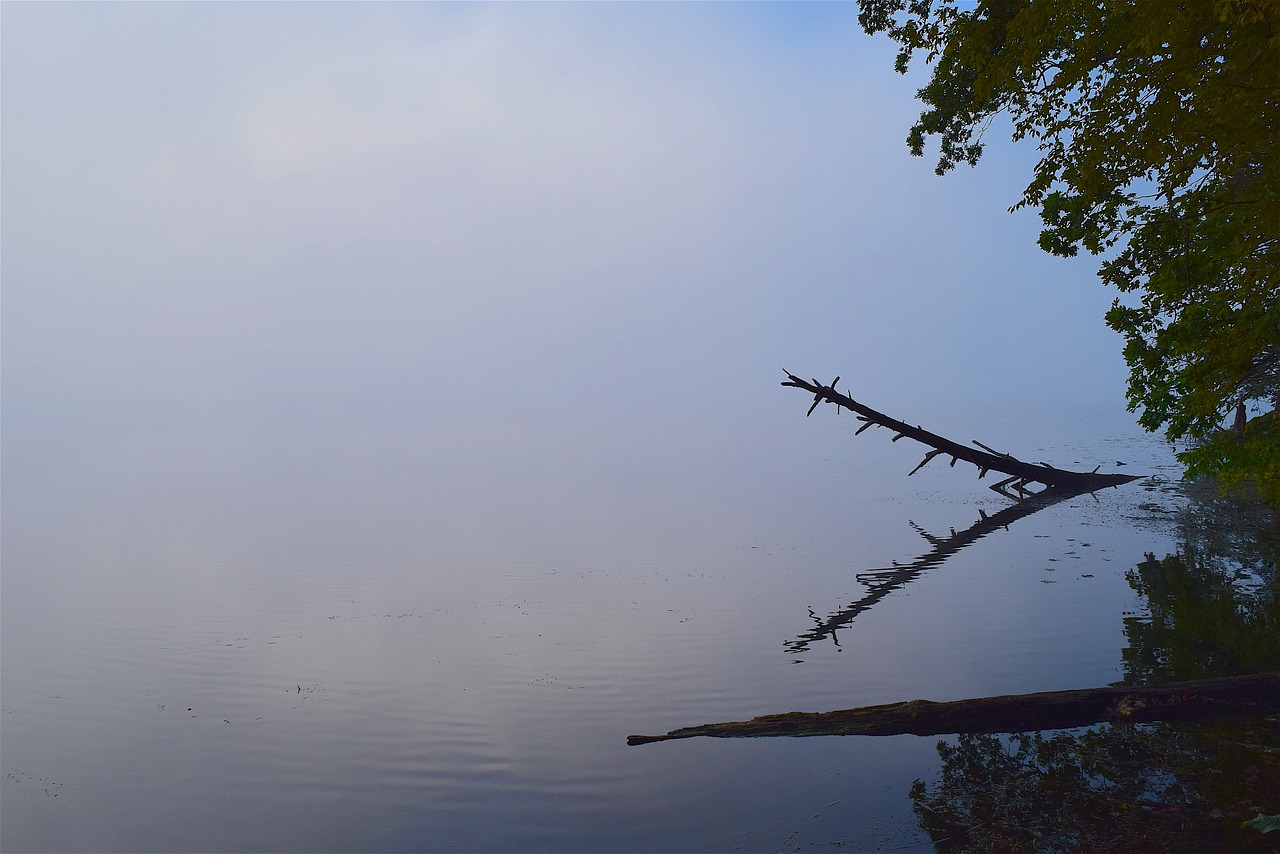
[[296, 210]]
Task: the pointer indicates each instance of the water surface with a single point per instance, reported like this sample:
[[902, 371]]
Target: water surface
[[409, 635]]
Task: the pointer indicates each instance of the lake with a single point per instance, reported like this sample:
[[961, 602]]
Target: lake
[[397, 633]]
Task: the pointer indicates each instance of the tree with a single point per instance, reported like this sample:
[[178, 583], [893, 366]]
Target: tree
[[1156, 123]]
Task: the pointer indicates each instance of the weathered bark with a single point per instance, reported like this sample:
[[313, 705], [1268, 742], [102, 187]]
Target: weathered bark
[[1254, 694], [1020, 473]]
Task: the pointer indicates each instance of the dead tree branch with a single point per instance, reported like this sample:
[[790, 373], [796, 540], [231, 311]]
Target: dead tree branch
[[1020, 473]]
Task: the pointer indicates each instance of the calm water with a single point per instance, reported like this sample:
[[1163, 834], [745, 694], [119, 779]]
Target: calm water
[[397, 636]]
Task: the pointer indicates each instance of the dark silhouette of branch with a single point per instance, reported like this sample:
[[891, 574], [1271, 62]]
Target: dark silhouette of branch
[[1021, 473]]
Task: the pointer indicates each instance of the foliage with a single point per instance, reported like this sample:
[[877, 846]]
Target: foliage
[[1263, 823], [1232, 460], [1156, 124]]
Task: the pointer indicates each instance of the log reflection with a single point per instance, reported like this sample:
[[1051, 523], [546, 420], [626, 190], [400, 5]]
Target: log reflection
[[882, 582]]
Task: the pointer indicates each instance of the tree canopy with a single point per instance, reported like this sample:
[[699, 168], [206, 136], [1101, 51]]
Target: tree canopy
[[1156, 123]]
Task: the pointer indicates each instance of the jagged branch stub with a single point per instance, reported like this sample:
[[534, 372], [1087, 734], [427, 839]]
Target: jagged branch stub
[[1020, 473]]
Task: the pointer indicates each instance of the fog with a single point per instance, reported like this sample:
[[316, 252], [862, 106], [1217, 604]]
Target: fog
[[299, 213], [391, 425]]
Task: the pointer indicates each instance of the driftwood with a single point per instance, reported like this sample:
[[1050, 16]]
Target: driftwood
[[1198, 700], [1021, 473], [881, 582]]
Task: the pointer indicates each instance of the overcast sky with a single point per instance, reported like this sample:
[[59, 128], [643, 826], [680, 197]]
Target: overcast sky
[[418, 208]]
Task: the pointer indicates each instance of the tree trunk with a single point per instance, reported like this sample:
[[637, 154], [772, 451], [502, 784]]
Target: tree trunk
[[1229, 696]]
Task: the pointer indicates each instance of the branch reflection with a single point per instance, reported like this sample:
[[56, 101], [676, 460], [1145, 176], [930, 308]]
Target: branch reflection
[[881, 582]]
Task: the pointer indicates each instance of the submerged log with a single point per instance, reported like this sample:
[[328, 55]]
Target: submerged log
[[1201, 699], [1020, 473]]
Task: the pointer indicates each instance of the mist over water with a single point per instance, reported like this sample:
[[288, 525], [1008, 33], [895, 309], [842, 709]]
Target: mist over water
[[399, 644], [391, 427]]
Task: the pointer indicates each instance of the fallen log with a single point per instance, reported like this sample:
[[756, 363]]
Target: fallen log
[[1020, 473], [1229, 696]]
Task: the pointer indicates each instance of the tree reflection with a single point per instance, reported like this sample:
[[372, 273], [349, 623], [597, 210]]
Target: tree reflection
[[1147, 788], [1211, 609], [1201, 621]]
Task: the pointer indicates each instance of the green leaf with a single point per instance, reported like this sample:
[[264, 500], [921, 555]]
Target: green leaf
[[1263, 823]]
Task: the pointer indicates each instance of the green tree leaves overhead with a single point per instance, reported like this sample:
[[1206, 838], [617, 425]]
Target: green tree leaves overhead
[[1156, 123]]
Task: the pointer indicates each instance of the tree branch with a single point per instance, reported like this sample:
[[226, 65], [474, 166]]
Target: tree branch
[[986, 460]]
